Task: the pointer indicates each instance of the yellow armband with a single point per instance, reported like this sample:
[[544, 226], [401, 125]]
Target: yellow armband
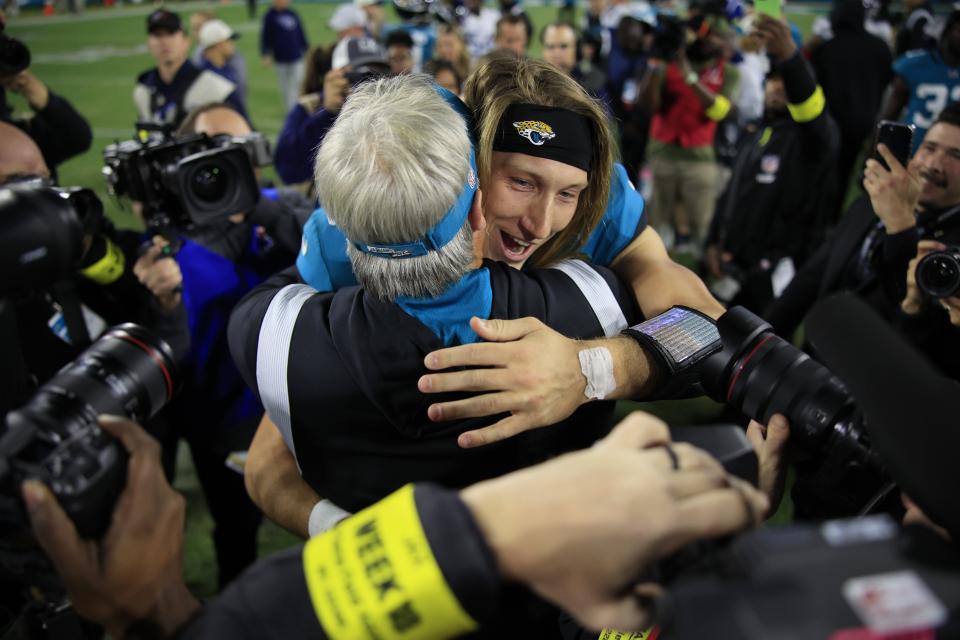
[[719, 109], [375, 576], [107, 269], [612, 634], [809, 108]]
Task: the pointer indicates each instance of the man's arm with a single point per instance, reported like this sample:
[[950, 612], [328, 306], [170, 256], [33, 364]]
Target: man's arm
[[658, 282], [274, 482], [898, 94], [57, 127], [643, 498], [535, 374]]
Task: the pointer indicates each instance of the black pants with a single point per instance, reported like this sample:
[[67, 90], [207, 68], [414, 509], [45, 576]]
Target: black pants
[[236, 518]]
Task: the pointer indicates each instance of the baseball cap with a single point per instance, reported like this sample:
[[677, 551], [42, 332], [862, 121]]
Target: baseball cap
[[356, 52], [347, 16], [163, 20], [215, 31]]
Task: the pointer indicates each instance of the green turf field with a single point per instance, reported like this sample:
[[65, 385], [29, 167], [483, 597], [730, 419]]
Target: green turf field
[[93, 59]]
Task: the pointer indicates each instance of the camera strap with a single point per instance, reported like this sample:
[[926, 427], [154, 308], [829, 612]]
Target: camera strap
[[66, 294]]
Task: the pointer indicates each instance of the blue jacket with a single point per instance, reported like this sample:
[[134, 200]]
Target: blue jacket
[[297, 143], [282, 36]]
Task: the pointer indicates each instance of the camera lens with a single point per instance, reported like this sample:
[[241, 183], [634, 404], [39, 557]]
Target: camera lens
[[938, 274], [209, 182]]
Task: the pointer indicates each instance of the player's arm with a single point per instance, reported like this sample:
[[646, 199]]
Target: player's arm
[[897, 96], [274, 482]]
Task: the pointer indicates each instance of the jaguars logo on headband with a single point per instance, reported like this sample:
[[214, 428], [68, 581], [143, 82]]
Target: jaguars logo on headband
[[535, 131]]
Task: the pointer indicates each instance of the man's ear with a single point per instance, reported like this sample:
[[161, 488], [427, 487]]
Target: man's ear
[[477, 221]]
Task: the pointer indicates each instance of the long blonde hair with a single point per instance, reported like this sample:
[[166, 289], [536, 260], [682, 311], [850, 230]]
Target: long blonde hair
[[502, 80]]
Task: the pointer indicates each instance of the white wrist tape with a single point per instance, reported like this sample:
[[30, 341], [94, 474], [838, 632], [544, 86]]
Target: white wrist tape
[[596, 364], [324, 516]]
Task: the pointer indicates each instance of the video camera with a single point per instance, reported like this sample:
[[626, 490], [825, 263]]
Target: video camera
[[761, 374], [187, 181], [938, 273]]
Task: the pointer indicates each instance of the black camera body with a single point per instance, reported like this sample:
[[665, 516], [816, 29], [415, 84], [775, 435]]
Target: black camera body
[[41, 234], [938, 273], [188, 181], [55, 437]]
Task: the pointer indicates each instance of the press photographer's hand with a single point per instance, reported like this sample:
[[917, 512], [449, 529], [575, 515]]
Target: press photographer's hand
[[913, 302], [770, 444], [534, 374], [601, 516], [335, 88], [134, 573], [160, 273]]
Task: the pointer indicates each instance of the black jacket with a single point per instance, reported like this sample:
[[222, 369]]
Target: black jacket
[[773, 205], [358, 424]]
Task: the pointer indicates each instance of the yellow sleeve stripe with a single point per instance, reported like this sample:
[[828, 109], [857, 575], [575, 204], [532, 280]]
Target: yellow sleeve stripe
[[719, 109], [809, 108], [107, 269], [375, 576]]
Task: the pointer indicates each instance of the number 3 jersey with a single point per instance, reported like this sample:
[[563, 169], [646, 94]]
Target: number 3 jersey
[[933, 85]]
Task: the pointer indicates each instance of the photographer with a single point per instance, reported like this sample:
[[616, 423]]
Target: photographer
[[688, 96], [308, 122], [932, 324], [116, 280], [773, 212], [870, 250], [643, 499], [57, 128], [215, 412]]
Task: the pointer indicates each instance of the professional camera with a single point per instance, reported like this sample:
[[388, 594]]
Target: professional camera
[[187, 181], [41, 234], [14, 55], [55, 438], [938, 273], [760, 374]]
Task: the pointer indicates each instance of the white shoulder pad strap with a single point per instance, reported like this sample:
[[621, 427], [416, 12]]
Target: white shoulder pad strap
[[597, 292], [206, 89], [273, 355]]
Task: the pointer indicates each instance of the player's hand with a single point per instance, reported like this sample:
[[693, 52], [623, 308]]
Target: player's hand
[[533, 373]]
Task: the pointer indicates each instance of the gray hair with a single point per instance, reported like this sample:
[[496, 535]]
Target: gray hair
[[390, 167]]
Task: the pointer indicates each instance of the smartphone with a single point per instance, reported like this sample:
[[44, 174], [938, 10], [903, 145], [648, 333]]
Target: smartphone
[[768, 7], [898, 138]]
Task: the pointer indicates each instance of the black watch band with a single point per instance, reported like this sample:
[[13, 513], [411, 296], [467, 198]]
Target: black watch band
[[678, 339]]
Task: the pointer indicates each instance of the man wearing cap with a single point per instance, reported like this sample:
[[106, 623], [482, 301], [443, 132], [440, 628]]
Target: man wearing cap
[[352, 60], [282, 44], [216, 41], [168, 92], [348, 21]]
